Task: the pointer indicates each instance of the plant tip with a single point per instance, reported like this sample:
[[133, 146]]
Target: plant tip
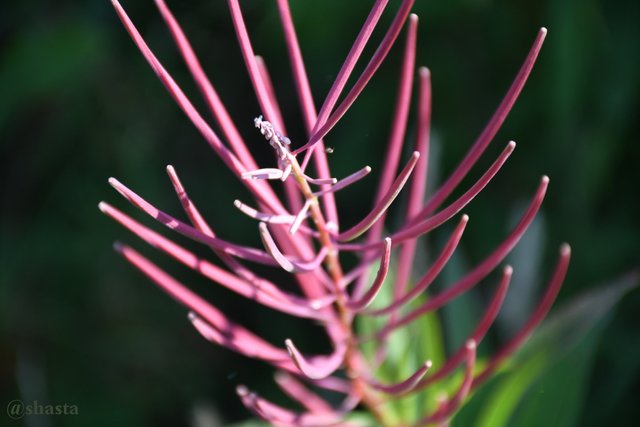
[[316, 304], [242, 390]]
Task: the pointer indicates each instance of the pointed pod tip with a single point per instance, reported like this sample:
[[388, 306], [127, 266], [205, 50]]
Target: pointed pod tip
[[103, 206], [464, 219], [317, 304], [508, 270], [425, 72], [292, 350], [565, 249], [471, 345], [428, 364], [242, 390], [543, 30], [511, 145], [413, 17], [118, 247]]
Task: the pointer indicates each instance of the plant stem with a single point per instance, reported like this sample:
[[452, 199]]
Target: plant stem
[[353, 358]]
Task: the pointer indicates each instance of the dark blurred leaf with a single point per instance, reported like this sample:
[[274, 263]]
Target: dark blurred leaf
[[41, 62]]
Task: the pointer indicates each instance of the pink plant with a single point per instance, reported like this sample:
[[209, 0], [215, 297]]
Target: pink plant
[[303, 235]]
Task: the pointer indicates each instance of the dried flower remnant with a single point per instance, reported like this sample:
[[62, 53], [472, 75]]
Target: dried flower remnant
[[302, 234]]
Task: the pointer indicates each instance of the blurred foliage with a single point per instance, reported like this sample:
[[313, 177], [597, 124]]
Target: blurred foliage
[[78, 104]]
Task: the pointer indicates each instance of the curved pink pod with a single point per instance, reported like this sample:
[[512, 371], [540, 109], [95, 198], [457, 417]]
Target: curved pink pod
[[404, 386], [363, 302], [320, 366]]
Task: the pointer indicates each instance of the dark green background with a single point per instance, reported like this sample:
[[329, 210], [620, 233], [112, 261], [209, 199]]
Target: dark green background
[[79, 104]]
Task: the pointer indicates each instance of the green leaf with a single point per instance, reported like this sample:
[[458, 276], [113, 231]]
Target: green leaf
[[429, 344], [550, 370], [399, 351], [459, 315], [556, 398], [369, 325], [407, 348]]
